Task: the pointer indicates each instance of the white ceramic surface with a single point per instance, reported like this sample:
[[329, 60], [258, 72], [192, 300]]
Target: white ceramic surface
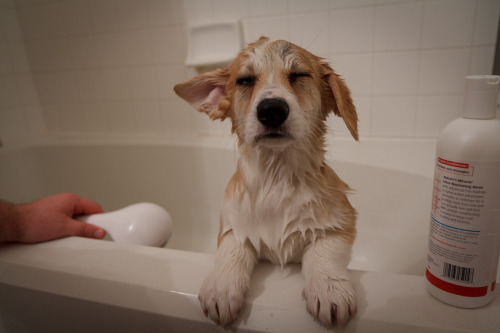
[[141, 223]]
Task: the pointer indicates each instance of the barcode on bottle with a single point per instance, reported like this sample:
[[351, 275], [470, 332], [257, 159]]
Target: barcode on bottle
[[458, 273]]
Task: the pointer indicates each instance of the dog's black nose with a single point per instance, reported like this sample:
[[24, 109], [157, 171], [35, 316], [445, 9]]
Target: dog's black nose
[[272, 112]]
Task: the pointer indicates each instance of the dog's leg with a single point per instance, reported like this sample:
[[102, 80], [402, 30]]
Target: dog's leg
[[222, 294], [328, 291]]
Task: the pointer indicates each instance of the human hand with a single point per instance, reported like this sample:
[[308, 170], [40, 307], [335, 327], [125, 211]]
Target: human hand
[[52, 217]]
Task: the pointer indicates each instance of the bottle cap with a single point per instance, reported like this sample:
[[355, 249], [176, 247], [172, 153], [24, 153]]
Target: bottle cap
[[481, 94]]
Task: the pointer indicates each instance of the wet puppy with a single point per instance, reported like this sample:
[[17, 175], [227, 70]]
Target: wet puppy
[[284, 203]]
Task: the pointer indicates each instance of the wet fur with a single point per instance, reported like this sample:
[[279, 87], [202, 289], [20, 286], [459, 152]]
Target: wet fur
[[283, 203]]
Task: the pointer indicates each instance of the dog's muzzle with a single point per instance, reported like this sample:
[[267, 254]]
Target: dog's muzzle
[[272, 112]]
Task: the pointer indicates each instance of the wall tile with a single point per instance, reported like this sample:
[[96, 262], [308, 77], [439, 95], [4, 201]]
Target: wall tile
[[167, 77], [230, 9], [351, 30], [73, 118], [52, 119], [299, 6], [20, 114], [41, 21], [311, 31], [12, 125], [112, 49], [34, 120], [121, 117], [163, 13], [65, 117], [272, 27], [76, 17], [143, 84], [398, 27], [49, 54], [29, 21], [103, 16], [336, 127], [138, 48], [5, 64], [2, 32], [268, 7], [485, 30], [448, 23], [356, 69], [385, 2], [90, 85], [7, 3], [350, 3], [393, 116], [11, 31], [482, 61], [26, 88], [177, 115], [84, 52], [148, 117], [434, 112], [443, 71], [10, 96], [97, 117], [169, 45], [133, 14], [112, 64], [395, 73], [116, 84], [197, 11], [56, 87]]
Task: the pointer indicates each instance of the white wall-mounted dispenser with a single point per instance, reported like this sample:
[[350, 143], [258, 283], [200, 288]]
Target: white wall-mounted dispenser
[[213, 44]]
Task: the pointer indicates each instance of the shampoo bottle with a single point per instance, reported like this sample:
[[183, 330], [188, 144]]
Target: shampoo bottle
[[464, 241]]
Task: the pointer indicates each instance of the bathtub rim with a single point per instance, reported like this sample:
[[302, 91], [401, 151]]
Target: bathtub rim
[[64, 269]]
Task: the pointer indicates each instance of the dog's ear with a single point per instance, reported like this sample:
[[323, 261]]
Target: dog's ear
[[339, 100], [206, 92]]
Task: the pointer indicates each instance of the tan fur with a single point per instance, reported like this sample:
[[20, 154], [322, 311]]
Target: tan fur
[[284, 203]]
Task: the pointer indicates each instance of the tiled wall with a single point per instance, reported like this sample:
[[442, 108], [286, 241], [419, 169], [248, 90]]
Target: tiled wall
[[21, 120], [108, 66], [104, 66]]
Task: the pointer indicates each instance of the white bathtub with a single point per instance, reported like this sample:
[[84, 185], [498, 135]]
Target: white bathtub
[[77, 284]]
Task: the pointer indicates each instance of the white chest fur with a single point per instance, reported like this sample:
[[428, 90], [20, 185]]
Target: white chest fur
[[278, 207]]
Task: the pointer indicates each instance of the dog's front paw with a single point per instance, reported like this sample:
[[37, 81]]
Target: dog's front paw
[[330, 301], [222, 296]]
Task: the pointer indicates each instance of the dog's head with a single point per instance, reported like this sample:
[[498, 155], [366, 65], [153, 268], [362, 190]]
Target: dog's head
[[276, 94]]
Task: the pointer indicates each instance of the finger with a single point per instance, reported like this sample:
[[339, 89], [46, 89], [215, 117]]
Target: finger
[[83, 229], [84, 206]]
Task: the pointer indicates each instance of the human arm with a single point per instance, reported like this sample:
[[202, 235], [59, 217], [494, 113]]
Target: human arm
[[48, 218]]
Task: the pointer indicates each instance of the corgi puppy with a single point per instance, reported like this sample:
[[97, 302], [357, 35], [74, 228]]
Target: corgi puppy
[[284, 203]]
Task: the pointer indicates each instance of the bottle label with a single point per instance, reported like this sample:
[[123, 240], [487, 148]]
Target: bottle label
[[465, 220]]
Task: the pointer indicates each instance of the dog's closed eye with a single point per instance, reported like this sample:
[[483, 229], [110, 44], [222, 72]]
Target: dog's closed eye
[[246, 81], [293, 77]]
